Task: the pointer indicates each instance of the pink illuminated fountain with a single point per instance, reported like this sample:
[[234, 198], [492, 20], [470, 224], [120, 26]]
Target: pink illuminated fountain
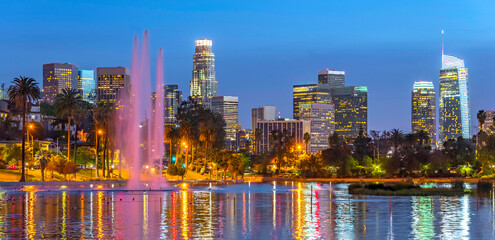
[[140, 124]]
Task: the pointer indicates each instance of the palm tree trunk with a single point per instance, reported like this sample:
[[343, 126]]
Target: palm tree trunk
[[75, 150], [68, 141], [23, 175], [103, 157]]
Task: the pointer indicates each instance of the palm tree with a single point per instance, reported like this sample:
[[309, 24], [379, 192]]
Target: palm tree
[[66, 104], [23, 91], [481, 115], [205, 135], [423, 137], [396, 138], [171, 135], [257, 136], [103, 114], [307, 137]]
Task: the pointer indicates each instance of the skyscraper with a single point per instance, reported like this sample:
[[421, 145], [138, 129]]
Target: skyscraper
[[488, 125], [321, 119], [332, 78], [423, 109], [455, 119], [56, 77], [228, 107], [351, 110], [173, 98], [265, 113], [110, 82], [294, 128], [87, 84], [310, 93], [203, 85]]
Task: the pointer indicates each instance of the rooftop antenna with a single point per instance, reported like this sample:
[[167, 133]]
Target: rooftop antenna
[[442, 43]]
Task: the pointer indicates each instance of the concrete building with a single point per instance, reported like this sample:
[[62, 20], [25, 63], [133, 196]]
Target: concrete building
[[228, 107], [56, 77], [265, 113], [111, 82], [488, 125], [321, 119], [294, 128], [332, 78]]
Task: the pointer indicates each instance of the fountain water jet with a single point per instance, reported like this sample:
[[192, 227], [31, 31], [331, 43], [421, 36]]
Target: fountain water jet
[[140, 125]]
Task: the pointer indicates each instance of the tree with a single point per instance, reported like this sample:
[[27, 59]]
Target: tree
[[24, 91], [396, 138], [66, 104], [172, 135], [307, 137], [257, 136], [481, 115]]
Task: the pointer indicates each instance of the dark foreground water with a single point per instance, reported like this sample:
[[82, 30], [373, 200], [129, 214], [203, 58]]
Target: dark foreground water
[[288, 210]]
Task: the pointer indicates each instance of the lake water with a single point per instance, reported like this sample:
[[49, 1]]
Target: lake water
[[285, 210]]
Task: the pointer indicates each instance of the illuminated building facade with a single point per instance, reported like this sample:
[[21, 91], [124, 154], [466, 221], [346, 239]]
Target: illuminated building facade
[[173, 98], [310, 93], [244, 137], [351, 110], [56, 77], [203, 85], [321, 119], [423, 109], [488, 125], [294, 128], [332, 78], [111, 82], [228, 107], [86, 83], [455, 119]]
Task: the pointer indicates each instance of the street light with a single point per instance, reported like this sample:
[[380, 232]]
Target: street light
[[98, 133]]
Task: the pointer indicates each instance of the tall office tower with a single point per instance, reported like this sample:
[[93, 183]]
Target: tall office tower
[[310, 93], [455, 120], [87, 84], [203, 85], [56, 77], [173, 98], [423, 109], [332, 78], [111, 82], [321, 118], [228, 107], [265, 113], [294, 128], [488, 125], [351, 110]]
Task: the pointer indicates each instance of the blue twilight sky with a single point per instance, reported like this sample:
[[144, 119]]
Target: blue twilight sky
[[264, 47]]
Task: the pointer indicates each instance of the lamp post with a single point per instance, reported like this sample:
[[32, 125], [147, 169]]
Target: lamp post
[[187, 152], [32, 142], [97, 136]]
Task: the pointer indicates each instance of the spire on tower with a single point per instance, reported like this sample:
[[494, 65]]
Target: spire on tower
[[442, 44]]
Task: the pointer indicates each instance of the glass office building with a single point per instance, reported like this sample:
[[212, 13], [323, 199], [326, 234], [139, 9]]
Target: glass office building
[[454, 109], [203, 85], [228, 107], [110, 82], [423, 109], [351, 110], [309, 93], [86, 83]]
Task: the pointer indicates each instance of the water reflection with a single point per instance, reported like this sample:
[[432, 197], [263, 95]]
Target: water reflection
[[291, 210]]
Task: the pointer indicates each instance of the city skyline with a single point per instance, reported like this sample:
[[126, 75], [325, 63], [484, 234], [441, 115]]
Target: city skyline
[[383, 62]]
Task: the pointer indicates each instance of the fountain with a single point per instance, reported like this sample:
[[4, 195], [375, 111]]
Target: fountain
[[140, 125]]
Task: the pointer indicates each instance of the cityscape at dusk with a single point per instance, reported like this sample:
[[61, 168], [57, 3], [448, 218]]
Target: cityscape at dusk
[[247, 120]]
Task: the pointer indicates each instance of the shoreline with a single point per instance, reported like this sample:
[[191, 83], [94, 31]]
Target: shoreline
[[255, 179]]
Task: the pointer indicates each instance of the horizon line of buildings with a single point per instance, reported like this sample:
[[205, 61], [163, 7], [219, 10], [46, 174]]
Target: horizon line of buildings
[[320, 109]]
